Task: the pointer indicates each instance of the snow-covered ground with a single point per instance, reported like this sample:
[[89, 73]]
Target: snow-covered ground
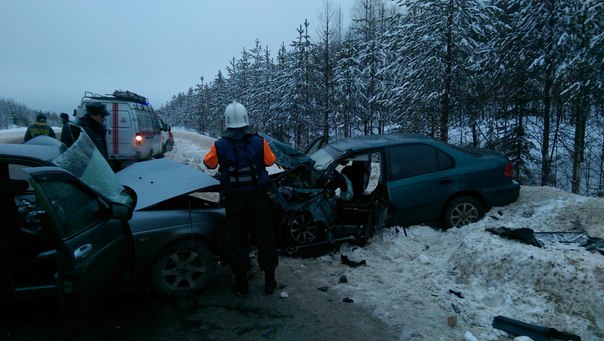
[[416, 282], [420, 281]]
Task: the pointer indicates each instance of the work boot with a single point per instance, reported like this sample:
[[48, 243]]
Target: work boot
[[270, 284], [241, 288]]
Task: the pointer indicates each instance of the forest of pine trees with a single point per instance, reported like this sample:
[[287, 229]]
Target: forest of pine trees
[[525, 77]]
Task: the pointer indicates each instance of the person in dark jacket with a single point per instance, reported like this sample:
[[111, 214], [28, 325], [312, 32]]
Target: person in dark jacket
[[243, 157], [69, 132], [40, 127], [93, 124]]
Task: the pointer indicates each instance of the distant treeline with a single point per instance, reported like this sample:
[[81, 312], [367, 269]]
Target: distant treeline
[[13, 114], [488, 70]]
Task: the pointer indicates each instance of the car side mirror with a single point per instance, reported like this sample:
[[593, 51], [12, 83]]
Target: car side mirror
[[120, 211]]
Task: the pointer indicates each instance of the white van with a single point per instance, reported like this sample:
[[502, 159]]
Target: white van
[[133, 128]]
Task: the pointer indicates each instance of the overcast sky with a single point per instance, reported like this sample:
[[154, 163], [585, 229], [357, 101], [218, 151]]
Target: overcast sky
[[51, 51]]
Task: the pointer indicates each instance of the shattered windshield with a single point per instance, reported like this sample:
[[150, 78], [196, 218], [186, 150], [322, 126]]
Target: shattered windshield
[[324, 157], [84, 161]]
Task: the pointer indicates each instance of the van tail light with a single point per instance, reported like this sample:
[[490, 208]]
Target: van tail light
[[509, 170], [138, 138]]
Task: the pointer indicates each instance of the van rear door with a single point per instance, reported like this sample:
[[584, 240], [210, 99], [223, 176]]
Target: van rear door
[[121, 131]]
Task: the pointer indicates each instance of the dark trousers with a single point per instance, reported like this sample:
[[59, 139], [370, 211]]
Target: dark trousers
[[250, 214]]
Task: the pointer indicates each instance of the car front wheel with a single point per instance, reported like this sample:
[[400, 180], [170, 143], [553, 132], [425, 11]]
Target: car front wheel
[[302, 229], [462, 211], [183, 269]]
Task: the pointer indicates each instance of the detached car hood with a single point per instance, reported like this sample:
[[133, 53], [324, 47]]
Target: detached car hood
[[155, 181]]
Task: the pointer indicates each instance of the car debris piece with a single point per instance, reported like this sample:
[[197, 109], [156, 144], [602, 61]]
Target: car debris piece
[[456, 293], [594, 244], [469, 337], [535, 332], [343, 279], [348, 300], [561, 237], [346, 261], [324, 289], [452, 320], [249, 328], [269, 330], [455, 308], [523, 234]]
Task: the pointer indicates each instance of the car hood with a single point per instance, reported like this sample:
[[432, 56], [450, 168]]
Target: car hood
[[287, 156], [158, 180]]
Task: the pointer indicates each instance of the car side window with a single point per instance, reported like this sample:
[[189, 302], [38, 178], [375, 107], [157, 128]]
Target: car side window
[[416, 159], [76, 209]]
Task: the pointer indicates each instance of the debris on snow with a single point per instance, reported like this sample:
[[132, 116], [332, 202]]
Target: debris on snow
[[523, 234], [346, 261], [535, 332]]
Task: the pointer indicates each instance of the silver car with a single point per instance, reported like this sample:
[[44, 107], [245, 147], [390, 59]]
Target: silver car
[[175, 224]]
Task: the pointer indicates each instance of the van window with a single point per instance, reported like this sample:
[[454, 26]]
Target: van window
[[144, 121], [155, 123]]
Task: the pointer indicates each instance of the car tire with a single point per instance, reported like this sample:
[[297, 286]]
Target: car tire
[[183, 269], [301, 229], [462, 211]]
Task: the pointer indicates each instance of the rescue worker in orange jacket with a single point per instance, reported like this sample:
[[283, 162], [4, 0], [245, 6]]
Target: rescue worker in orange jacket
[[243, 157]]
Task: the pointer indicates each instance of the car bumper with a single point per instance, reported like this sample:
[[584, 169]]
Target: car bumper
[[503, 195]]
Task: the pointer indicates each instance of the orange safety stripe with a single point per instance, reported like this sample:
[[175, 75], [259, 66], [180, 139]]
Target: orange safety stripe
[[211, 158], [269, 157]]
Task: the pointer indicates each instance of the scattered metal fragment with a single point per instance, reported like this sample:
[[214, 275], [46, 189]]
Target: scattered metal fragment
[[346, 261], [535, 332], [456, 293], [269, 330], [249, 328], [523, 234]]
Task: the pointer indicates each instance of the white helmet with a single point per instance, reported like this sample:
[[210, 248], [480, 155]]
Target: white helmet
[[235, 116]]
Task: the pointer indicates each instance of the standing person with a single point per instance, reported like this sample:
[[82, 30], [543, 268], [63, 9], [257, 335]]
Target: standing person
[[93, 124], [40, 127], [69, 132], [243, 157]]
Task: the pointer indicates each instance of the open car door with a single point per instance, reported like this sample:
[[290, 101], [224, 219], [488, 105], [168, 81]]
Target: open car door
[[93, 239]]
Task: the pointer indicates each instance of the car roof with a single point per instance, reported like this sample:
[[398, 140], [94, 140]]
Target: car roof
[[376, 141], [44, 153]]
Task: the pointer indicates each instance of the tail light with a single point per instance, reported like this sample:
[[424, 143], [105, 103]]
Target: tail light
[[138, 138], [509, 170]]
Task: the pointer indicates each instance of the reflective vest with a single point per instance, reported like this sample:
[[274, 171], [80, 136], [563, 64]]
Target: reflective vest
[[241, 164]]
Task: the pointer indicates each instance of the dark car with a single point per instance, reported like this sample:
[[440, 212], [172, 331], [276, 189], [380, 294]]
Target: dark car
[[347, 188], [172, 232], [176, 225], [64, 224]]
